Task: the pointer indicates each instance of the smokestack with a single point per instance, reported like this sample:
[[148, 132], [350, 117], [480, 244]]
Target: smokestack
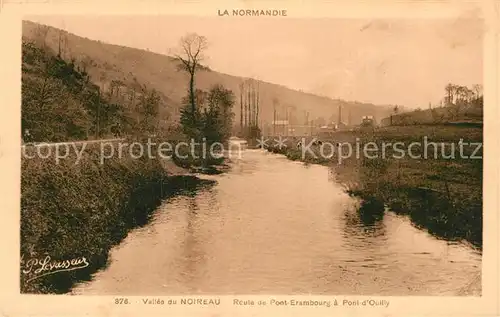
[[340, 114]]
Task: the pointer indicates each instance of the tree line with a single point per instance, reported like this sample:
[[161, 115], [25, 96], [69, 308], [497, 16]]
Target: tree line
[[457, 95], [459, 103], [250, 127]]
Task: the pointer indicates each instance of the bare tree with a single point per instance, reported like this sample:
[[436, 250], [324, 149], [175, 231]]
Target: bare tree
[[41, 33], [86, 62], [241, 106], [192, 46], [258, 98], [478, 90], [245, 116], [249, 104], [450, 90], [62, 44]]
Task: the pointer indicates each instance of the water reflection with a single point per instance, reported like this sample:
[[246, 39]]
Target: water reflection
[[365, 236], [192, 252], [186, 186], [371, 212], [271, 226], [364, 220]]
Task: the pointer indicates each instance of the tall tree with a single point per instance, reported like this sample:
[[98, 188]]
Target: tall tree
[[41, 33], [450, 89], [249, 106], [192, 47], [254, 105], [245, 115], [241, 107], [217, 116], [478, 90], [258, 96]]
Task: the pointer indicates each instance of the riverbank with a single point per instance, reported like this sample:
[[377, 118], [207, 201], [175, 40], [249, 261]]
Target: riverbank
[[80, 211], [259, 230], [440, 195]]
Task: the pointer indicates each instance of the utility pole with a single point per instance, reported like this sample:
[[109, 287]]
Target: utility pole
[[275, 121], [287, 121], [285, 125], [307, 122]]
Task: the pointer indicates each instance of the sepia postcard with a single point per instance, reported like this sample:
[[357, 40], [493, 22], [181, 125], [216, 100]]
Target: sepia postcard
[[277, 158]]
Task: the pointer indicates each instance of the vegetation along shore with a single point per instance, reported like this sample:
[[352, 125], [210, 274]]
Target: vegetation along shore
[[442, 195], [74, 210]]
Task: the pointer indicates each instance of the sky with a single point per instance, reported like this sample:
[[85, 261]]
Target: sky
[[405, 62]]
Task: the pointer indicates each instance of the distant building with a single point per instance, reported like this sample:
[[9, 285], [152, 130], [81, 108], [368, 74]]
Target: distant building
[[280, 122], [326, 131], [279, 127], [340, 126], [367, 121]]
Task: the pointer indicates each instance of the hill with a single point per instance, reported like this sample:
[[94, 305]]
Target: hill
[[61, 103], [126, 68]]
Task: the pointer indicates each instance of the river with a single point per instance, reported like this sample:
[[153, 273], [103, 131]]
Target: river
[[273, 226]]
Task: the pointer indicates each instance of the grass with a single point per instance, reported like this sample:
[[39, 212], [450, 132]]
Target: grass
[[443, 196], [447, 207], [71, 211]]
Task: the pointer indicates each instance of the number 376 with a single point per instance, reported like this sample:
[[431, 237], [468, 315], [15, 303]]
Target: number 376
[[119, 301]]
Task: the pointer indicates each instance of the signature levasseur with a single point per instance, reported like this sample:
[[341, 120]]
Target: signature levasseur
[[46, 266]]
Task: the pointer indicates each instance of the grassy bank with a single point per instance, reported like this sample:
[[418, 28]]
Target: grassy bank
[[77, 212], [443, 196], [72, 211]]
